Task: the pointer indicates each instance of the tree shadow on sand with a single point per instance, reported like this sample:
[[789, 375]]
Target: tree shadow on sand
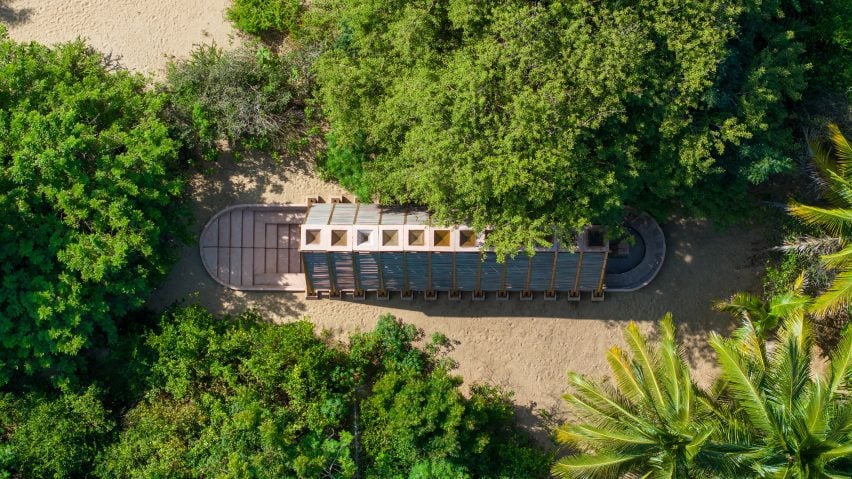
[[13, 16]]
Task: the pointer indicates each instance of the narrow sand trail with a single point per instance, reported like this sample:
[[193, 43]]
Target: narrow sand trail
[[526, 346]]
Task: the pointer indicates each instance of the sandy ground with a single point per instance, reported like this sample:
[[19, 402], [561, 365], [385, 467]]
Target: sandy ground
[[525, 346], [142, 34]]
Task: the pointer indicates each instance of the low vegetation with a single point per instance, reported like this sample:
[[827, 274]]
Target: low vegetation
[[265, 17], [249, 97], [227, 397]]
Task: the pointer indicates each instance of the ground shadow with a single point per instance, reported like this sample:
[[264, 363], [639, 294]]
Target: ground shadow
[[13, 16], [525, 346]]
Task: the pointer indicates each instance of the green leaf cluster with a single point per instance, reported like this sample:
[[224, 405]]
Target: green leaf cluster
[[89, 200], [528, 115], [238, 397], [263, 17], [249, 96], [52, 436]]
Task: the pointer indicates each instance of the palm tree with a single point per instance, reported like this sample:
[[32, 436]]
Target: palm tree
[[761, 317], [835, 167], [785, 421], [653, 423]]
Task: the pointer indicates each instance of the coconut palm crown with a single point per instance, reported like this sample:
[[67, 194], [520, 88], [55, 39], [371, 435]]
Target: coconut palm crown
[[760, 317], [784, 420], [834, 164], [653, 422]]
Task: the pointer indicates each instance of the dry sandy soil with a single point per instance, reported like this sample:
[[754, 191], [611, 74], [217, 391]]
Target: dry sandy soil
[[142, 34], [526, 346]]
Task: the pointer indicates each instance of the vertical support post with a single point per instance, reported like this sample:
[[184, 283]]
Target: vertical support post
[[356, 272], [331, 276], [405, 286], [309, 285], [599, 291], [553, 271], [381, 275], [576, 290], [479, 273]]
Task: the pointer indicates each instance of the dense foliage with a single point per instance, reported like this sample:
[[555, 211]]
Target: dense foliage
[[524, 115], [240, 397], [249, 96], [834, 164], [260, 17], [88, 195], [770, 414], [51, 436]]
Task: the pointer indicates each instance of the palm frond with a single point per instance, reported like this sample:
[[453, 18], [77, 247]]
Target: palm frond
[[646, 359], [593, 465], [844, 450], [837, 221], [672, 366], [581, 433], [838, 259], [836, 298], [596, 402], [811, 245], [789, 372], [842, 149], [840, 372], [743, 382], [625, 378]]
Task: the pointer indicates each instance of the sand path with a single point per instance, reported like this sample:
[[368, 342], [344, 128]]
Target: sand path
[[526, 346], [142, 34]]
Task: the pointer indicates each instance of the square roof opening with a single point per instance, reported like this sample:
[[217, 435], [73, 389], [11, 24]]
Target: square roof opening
[[441, 238], [416, 237], [312, 237], [467, 238], [390, 238], [339, 237]]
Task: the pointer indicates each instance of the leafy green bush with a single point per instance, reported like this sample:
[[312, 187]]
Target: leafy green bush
[[52, 437], [259, 17], [241, 397], [250, 97], [89, 202]]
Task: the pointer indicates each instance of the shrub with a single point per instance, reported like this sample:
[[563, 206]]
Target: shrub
[[250, 97], [52, 436], [259, 17], [90, 191]]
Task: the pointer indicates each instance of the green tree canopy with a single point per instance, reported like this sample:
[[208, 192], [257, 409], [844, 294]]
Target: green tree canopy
[[525, 115], [237, 397], [88, 188]]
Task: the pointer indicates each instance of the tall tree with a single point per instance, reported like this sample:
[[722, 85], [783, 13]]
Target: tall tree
[[834, 164], [89, 190], [653, 422], [798, 424], [523, 115]]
